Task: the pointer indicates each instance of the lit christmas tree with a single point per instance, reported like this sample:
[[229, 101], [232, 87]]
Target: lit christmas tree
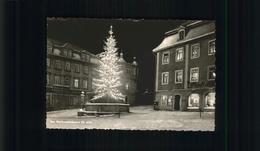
[[108, 81]]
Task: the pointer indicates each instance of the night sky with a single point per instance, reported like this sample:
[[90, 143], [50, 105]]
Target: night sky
[[135, 38]]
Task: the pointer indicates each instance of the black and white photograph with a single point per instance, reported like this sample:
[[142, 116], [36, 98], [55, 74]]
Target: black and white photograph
[[129, 74]]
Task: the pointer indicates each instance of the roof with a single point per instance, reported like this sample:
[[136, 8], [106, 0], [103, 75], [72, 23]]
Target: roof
[[193, 30], [94, 59], [57, 43]]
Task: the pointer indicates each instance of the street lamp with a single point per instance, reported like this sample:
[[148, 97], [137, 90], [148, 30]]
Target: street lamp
[[82, 98]]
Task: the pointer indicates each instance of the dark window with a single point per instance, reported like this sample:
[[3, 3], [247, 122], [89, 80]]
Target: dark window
[[48, 62], [181, 35], [165, 57], [165, 78], [73, 67], [69, 53], [50, 102], [87, 58], [86, 69], [76, 100], [67, 66], [58, 64], [57, 80], [83, 57], [85, 84], [65, 53], [77, 67], [48, 79], [67, 80], [62, 80]]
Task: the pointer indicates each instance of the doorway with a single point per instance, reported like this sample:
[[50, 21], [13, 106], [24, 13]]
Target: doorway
[[177, 100]]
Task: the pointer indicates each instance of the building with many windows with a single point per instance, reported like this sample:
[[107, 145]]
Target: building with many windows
[[185, 67], [129, 79], [69, 75]]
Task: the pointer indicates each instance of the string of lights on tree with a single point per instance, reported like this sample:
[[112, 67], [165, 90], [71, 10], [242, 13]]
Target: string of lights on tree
[[108, 81]]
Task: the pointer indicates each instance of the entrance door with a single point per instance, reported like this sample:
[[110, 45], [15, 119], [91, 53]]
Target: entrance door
[[177, 102]]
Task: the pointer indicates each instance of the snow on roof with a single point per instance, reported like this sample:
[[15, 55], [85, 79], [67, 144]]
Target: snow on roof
[[167, 42], [193, 29], [57, 43], [200, 30]]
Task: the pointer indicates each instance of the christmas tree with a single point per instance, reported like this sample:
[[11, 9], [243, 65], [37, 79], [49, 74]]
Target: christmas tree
[[108, 80]]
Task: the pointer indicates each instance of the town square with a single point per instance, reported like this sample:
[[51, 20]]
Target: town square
[[139, 118], [104, 81]]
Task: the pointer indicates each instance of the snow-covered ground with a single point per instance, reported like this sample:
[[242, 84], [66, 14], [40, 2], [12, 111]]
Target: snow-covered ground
[[139, 118]]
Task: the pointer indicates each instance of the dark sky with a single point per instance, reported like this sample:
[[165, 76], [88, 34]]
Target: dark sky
[[134, 38]]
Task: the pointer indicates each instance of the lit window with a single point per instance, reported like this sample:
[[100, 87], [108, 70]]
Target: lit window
[[210, 100], [126, 86], [85, 84], [194, 74], [195, 51], [178, 76], [212, 47], [170, 100], [211, 73], [76, 83], [179, 54], [193, 101], [165, 78], [56, 51], [164, 99], [165, 57]]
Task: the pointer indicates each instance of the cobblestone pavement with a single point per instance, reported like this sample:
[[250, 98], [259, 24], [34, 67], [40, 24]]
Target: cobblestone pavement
[[139, 118]]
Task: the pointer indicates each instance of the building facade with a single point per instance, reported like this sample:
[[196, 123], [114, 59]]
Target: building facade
[[129, 79], [69, 75], [185, 68]]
